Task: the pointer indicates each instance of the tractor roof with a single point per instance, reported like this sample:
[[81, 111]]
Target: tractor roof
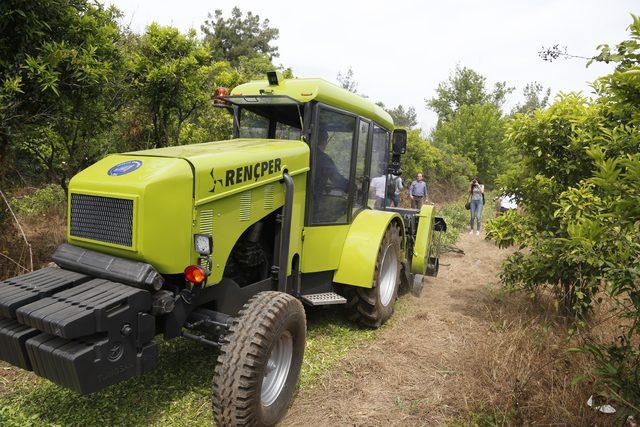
[[309, 89]]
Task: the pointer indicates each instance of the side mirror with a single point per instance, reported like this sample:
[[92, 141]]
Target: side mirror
[[399, 141]]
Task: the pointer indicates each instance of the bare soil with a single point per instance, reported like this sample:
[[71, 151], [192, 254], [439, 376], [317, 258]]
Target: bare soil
[[461, 353]]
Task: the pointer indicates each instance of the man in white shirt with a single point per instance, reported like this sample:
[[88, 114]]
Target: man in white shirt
[[379, 186], [508, 203]]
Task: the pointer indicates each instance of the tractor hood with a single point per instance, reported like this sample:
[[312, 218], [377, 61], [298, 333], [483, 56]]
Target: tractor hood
[[227, 167]]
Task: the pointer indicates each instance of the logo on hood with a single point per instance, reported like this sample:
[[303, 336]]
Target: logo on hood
[[251, 172], [124, 168]]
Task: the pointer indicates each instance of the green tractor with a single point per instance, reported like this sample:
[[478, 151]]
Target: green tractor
[[225, 243]]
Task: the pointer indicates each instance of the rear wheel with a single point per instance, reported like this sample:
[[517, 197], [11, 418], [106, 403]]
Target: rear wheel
[[371, 307], [260, 361]]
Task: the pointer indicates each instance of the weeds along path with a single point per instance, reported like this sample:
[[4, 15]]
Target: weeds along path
[[462, 352]]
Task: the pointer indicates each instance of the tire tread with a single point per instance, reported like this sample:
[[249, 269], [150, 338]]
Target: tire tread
[[237, 370], [362, 302]]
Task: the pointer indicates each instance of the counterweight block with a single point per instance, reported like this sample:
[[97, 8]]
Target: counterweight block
[[79, 332]]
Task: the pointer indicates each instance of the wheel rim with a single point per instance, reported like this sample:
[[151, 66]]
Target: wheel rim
[[277, 369], [388, 275]]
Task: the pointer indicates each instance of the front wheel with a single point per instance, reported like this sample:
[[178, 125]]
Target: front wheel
[[371, 307], [259, 362]]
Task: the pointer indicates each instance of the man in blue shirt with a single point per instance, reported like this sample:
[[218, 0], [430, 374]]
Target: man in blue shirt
[[418, 192]]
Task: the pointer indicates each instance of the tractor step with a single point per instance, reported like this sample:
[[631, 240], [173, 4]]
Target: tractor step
[[324, 298], [75, 330]]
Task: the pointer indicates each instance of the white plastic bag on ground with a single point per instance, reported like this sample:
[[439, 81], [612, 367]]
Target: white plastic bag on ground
[[605, 409]]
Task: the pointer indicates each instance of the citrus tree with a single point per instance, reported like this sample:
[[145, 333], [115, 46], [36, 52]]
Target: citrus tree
[[579, 231]]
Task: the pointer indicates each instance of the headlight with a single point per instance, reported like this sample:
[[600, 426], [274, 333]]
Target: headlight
[[203, 243]]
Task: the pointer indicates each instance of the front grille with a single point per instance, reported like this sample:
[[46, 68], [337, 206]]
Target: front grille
[[105, 219]]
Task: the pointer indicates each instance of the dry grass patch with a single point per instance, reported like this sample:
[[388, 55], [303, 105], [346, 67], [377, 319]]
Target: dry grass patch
[[524, 371]]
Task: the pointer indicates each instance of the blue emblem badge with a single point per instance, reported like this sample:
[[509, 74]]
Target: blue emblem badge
[[124, 168]]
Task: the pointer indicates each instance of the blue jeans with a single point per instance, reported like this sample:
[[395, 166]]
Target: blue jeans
[[395, 200], [476, 213]]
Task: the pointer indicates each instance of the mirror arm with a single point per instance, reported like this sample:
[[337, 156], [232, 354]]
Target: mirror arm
[[394, 165]]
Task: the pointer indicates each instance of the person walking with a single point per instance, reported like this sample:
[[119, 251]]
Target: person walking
[[476, 202], [394, 187], [418, 192]]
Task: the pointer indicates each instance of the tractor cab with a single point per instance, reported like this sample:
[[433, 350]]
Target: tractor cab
[[349, 138]]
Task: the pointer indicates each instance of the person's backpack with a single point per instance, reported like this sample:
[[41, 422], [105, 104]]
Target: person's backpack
[[391, 185]]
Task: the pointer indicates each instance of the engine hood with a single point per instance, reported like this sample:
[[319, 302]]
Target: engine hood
[[134, 207], [226, 167]]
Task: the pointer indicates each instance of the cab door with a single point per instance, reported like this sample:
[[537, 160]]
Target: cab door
[[379, 166], [331, 191]]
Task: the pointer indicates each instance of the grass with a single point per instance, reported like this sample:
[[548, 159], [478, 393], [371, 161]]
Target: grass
[[487, 417], [177, 392], [523, 371], [457, 218]]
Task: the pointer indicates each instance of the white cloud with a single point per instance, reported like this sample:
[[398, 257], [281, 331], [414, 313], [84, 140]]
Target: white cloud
[[401, 50]]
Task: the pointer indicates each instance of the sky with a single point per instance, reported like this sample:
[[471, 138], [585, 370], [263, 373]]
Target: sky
[[401, 50]]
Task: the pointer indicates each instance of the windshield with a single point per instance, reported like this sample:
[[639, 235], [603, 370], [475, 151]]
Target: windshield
[[269, 124], [253, 125]]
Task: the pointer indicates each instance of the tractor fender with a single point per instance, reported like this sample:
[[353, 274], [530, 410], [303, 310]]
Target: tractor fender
[[360, 251], [424, 235]]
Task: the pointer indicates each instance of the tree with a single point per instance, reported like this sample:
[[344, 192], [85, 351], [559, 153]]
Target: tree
[[347, 81], [470, 121], [476, 131], [579, 180], [251, 68], [239, 37], [402, 117], [445, 171], [535, 98], [61, 70], [173, 80], [465, 87]]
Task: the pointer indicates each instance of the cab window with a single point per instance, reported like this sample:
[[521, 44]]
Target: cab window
[[378, 165], [253, 125], [361, 155], [269, 121], [284, 131], [333, 151]]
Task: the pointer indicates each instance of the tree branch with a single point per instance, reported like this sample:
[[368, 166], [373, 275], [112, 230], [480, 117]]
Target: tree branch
[[24, 236]]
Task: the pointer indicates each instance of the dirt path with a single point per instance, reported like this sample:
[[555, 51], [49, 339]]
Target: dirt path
[[423, 369]]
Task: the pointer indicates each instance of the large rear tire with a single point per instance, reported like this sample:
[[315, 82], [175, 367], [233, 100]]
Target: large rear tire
[[259, 362], [371, 307]]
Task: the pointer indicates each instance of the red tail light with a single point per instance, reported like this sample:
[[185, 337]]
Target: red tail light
[[195, 274]]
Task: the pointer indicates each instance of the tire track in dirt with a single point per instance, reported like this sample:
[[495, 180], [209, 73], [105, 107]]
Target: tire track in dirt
[[417, 371]]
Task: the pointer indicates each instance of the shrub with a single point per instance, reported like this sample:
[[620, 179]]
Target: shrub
[[49, 200], [457, 218]]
